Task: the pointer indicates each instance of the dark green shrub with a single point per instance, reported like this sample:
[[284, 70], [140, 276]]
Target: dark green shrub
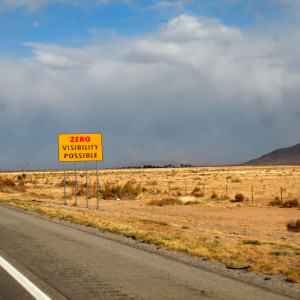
[[294, 226], [286, 204], [290, 203], [275, 202], [238, 198], [213, 196], [197, 192], [251, 242]]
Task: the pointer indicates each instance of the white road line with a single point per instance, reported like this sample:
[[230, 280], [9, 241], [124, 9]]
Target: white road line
[[21, 279]]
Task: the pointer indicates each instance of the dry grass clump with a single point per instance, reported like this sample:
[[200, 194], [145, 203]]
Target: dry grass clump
[[197, 192], [236, 180], [286, 204], [166, 201], [42, 196], [128, 191], [111, 191], [68, 183], [8, 185], [92, 190], [6, 182], [294, 226], [191, 202], [81, 191]]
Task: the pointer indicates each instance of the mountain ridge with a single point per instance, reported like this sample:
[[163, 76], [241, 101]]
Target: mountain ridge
[[283, 156]]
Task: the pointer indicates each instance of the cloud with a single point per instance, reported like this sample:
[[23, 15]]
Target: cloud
[[10, 5], [196, 89], [190, 28], [60, 57], [166, 4], [33, 5]]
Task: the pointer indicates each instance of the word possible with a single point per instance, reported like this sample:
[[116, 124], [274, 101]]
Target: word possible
[[80, 139], [81, 155]]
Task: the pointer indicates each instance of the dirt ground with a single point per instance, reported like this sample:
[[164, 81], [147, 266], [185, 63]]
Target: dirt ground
[[214, 216], [217, 216]]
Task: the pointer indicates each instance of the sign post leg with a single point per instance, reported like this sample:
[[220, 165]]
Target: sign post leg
[[65, 197], [97, 185], [87, 186], [75, 185]]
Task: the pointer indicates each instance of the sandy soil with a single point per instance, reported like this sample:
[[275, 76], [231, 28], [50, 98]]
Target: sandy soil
[[250, 219], [216, 218]]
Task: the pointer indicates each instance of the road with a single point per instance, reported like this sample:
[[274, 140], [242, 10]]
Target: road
[[68, 263]]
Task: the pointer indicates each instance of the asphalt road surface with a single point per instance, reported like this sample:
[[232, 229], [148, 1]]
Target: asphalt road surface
[[69, 263]]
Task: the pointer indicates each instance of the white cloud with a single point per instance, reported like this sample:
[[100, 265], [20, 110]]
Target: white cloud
[[33, 5], [194, 90], [187, 28], [11, 5], [166, 4], [60, 57], [163, 4]]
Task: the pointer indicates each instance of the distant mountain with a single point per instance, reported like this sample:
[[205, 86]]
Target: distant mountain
[[284, 156]]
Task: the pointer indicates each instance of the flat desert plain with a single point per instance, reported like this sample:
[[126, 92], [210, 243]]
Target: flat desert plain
[[193, 210]]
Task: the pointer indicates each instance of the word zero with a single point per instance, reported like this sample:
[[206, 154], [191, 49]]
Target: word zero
[[79, 139]]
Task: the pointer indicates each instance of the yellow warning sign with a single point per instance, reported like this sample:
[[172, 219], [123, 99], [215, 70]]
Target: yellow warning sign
[[79, 146]]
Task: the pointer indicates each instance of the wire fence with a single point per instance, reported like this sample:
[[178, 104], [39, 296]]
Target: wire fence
[[252, 192]]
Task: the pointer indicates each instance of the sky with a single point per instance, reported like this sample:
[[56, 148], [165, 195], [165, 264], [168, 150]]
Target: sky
[[208, 82]]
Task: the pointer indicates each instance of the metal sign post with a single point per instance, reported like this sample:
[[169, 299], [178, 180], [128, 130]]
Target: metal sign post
[[65, 197], [80, 147], [97, 185], [87, 186], [75, 184]]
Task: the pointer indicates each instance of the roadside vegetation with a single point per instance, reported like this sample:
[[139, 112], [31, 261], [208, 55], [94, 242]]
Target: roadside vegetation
[[161, 207], [252, 255]]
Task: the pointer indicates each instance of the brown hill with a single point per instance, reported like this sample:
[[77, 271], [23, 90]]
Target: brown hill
[[284, 156]]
